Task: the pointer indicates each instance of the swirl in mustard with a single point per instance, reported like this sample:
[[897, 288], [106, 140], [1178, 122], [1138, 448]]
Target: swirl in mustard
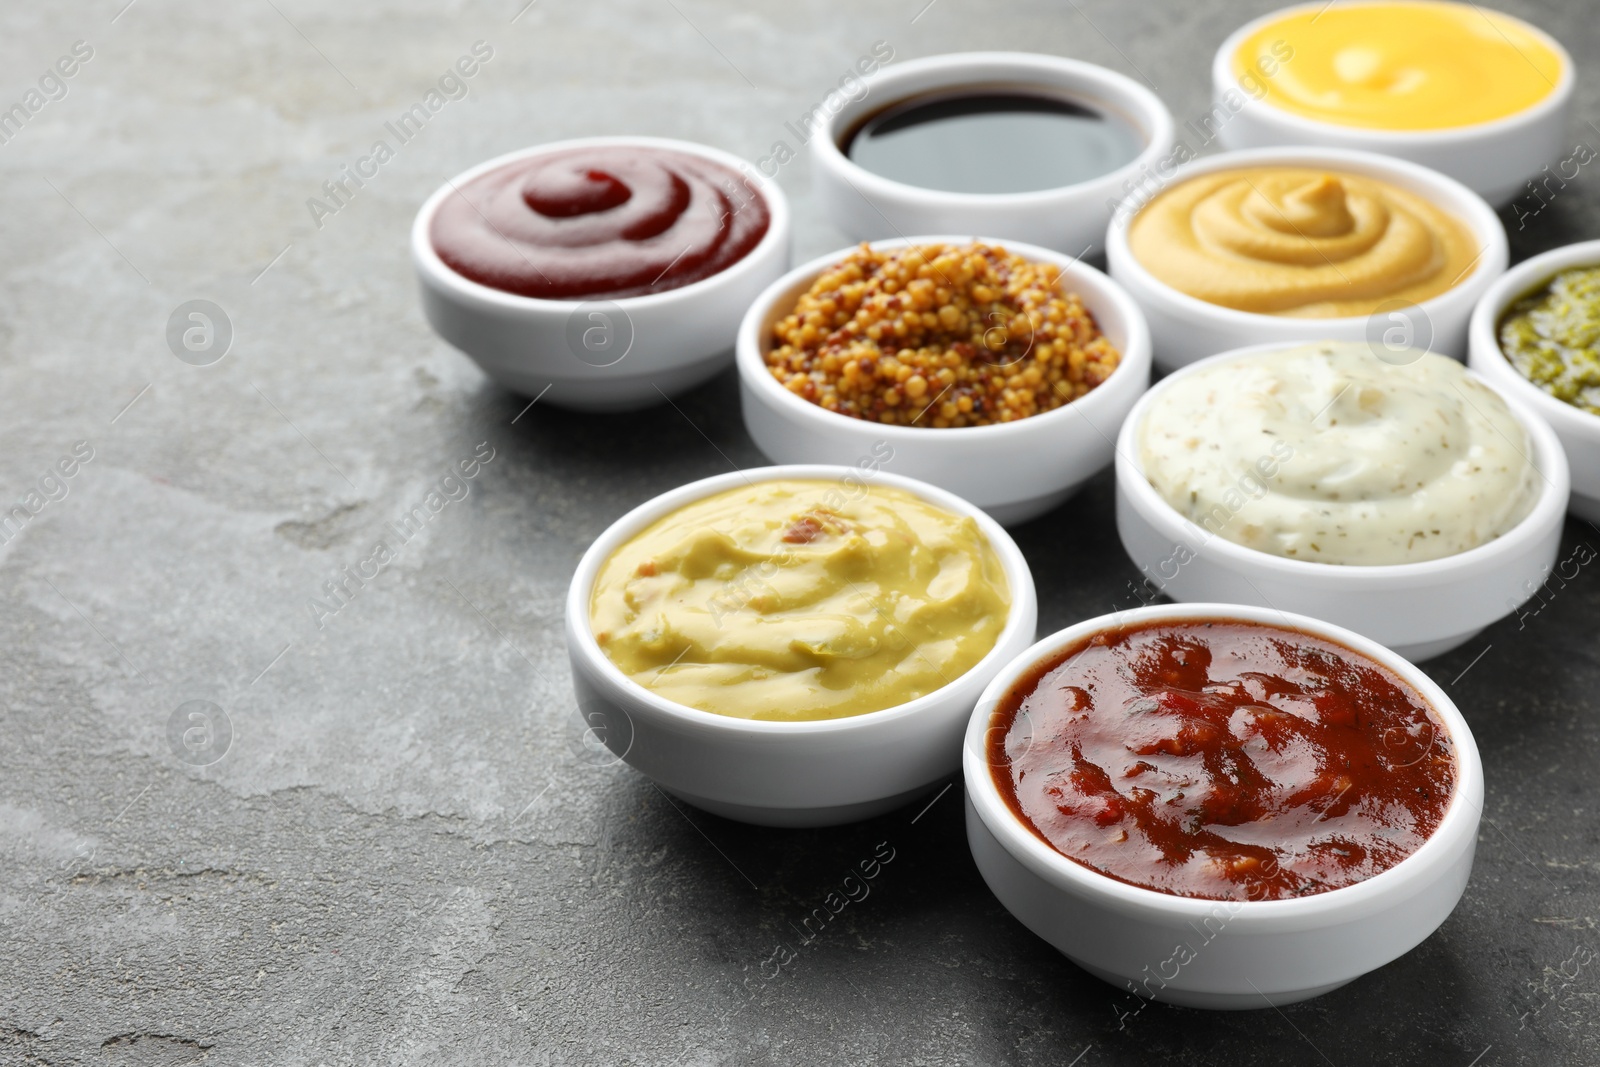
[[1300, 242]]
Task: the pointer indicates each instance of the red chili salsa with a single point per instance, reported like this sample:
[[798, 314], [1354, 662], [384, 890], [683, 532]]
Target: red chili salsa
[[604, 221], [1222, 760]]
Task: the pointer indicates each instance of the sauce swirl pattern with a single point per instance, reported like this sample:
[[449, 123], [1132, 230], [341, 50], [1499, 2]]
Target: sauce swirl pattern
[[1308, 243], [605, 221]]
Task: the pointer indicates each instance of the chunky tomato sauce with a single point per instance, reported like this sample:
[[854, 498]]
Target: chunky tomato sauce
[[1222, 760]]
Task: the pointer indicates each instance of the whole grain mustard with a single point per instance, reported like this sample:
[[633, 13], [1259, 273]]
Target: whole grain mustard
[[939, 336]]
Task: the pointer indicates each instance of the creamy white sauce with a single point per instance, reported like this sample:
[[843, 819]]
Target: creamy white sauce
[[1327, 453]]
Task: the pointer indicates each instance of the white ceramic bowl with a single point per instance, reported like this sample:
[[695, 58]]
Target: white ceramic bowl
[[600, 355], [1184, 329], [786, 773], [1493, 159], [1246, 954], [1014, 471], [1578, 430], [1419, 610], [1071, 219]]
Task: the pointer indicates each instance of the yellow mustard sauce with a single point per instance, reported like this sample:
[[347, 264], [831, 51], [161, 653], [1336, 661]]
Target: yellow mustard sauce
[[1300, 242], [801, 599], [1401, 66]]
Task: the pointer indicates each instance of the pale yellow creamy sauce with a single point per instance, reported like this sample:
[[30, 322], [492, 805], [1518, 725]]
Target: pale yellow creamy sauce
[[1327, 453], [798, 599]]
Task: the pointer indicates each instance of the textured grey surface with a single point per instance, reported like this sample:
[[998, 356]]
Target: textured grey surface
[[406, 855]]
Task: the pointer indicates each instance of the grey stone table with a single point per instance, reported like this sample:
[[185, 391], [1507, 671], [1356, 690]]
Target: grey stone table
[[406, 853]]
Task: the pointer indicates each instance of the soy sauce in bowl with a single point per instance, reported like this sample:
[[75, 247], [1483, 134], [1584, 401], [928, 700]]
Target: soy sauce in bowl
[[992, 139]]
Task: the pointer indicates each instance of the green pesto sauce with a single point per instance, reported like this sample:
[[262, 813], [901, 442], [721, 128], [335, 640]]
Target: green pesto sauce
[[1553, 337]]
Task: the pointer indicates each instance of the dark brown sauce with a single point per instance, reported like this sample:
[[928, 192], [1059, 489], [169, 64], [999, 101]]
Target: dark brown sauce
[[604, 221], [1222, 760], [991, 140]]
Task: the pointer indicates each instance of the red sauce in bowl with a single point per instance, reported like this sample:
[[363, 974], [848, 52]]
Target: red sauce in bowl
[[601, 222], [1222, 760]]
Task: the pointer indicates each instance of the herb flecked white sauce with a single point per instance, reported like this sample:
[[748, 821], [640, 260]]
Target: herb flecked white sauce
[[1327, 453]]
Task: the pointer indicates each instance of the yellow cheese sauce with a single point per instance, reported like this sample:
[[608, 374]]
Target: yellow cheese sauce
[[800, 599], [1328, 454], [1300, 242], [1402, 66]]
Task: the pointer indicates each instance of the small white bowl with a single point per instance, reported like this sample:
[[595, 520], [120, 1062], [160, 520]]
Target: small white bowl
[[1015, 470], [1419, 610], [1578, 430], [1493, 159], [1185, 329], [600, 354], [817, 773], [1246, 954], [1071, 219]]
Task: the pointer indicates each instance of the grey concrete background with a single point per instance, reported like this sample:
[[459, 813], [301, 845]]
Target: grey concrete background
[[407, 855]]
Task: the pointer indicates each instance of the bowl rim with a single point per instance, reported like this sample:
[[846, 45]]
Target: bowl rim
[[1460, 819], [1483, 340], [1152, 118], [1473, 209], [1549, 461], [462, 288], [749, 353], [580, 633], [1559, 96]]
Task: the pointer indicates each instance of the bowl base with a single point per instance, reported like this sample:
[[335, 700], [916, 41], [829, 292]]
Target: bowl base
[[802, 818], [1022, 510], [605, 394], [1428, 649], [1586, 508], [1194, 998]]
